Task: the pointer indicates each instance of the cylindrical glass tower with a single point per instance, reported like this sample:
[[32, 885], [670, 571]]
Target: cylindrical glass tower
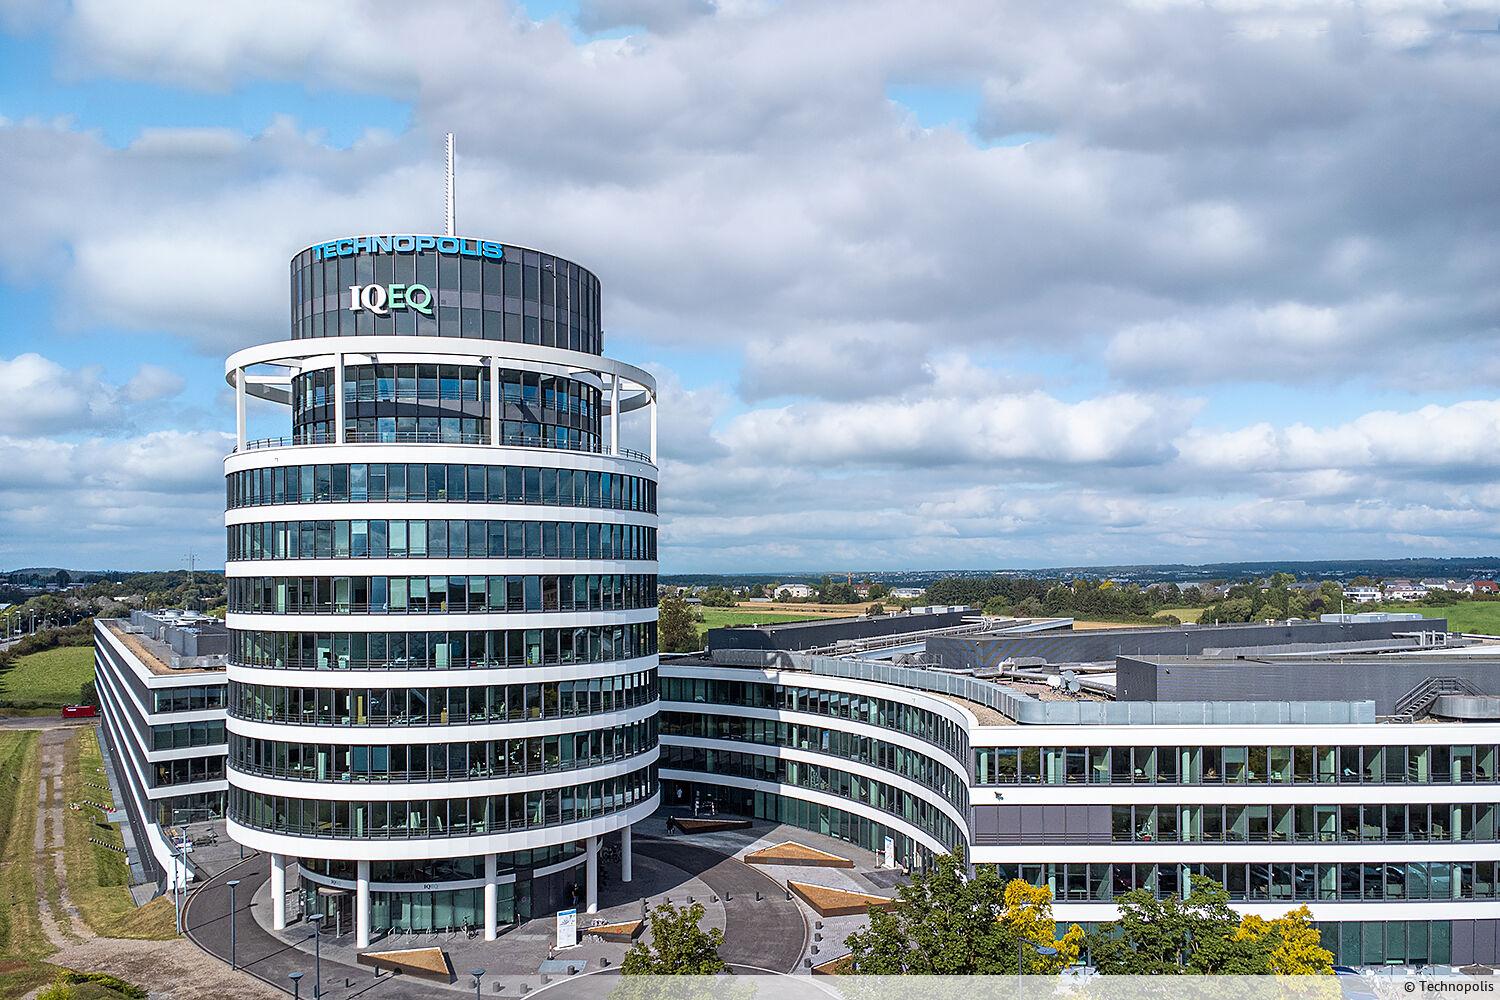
[[442, 589]]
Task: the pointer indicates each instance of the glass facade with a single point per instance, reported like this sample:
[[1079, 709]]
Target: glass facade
[[394, 538], [441, 706], [696, 797], [914, 809], [467, 760], [1289, 882], [485, 649], [522, 297], [941, 778], [439, 595], [432, 482], [887, 713], [380, 819], [1418, 764], [1273, 824]]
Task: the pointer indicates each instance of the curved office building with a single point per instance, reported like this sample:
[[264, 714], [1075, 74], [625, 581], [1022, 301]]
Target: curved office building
[[1323, 782], [442, 589]]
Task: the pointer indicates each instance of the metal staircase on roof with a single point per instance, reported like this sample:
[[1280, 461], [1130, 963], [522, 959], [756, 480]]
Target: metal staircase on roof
[[1420, 699]]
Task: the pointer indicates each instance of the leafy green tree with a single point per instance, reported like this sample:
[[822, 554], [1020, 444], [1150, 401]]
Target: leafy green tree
[[677, 626], [1175, 936], [718, 597], [679, 946], [948, 923], [878, 590]]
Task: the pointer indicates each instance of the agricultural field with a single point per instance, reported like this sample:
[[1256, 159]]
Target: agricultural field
[[44, 682]]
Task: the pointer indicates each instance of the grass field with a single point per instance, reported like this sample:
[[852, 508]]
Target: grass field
[[1182, 614], [47, 680], [723, 617], [774, 614], [23, 944], [98, 878], [1467, 616]]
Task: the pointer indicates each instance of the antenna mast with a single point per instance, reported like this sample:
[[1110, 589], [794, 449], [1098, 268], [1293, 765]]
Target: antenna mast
[[448, 205]]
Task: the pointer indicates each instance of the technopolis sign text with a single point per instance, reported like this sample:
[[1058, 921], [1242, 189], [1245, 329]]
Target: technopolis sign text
[[349, 246]]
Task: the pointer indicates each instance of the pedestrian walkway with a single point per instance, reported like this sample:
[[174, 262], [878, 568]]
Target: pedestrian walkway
[[764, 930]]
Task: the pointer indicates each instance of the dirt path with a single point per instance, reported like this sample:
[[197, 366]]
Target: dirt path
[[171, 970]]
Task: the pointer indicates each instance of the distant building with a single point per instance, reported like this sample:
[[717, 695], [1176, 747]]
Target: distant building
[[1485, 587], [1361, 594], [1403, 590], [907, 593], [162, 688], [796, 591]]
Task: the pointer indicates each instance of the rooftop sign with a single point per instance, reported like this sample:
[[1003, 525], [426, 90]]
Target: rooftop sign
[[349, 246]]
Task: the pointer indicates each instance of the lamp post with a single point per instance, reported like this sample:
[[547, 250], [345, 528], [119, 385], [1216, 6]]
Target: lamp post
[[1040, 949], [296, 978], [478, 974], [233, 884], [316, 920]]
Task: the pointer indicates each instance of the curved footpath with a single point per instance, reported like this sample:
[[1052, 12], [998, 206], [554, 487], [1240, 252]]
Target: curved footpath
[[259, 952], [765, 935]]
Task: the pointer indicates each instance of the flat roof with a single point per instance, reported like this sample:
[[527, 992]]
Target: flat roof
[[151, 652]]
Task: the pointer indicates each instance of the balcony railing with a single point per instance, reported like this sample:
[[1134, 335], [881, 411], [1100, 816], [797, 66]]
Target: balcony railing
[[418, 437]]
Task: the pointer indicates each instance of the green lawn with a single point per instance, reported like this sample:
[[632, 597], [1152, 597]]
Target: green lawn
[[1468, 616], [22, 942], [721, 617], [47, 680], [98, 878]]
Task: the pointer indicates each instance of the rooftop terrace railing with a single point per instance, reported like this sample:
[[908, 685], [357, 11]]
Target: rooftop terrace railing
[[417, 437], [1026, 710]]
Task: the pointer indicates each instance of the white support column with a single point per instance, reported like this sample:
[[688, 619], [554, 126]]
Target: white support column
[[591, 879], [625, 854], [239, 409], [278, 892], [614, 415], [362, 905], [494, 402], [338, 397], [653, 428], [491, 899]]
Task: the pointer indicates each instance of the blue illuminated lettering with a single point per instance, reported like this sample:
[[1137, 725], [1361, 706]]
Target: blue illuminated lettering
[[350, 246]]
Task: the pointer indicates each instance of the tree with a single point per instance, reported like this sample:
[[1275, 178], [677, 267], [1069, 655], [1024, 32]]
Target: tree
[[718, 597], [1203, 936], [1173, 936], [1293, 944], [878, 590], [88, 694], [875, 609], [679, 947], [948, 923], [676, 626]]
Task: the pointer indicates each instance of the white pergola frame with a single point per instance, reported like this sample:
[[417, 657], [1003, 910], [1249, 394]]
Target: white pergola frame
[[627, 387]]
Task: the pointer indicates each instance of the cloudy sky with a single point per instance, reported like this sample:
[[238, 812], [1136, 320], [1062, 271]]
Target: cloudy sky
[[963, 284]]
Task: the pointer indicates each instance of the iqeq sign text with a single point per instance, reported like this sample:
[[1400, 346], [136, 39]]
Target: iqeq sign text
[[381, 299]]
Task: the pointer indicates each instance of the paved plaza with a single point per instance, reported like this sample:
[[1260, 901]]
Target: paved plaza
[[765, 931]]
